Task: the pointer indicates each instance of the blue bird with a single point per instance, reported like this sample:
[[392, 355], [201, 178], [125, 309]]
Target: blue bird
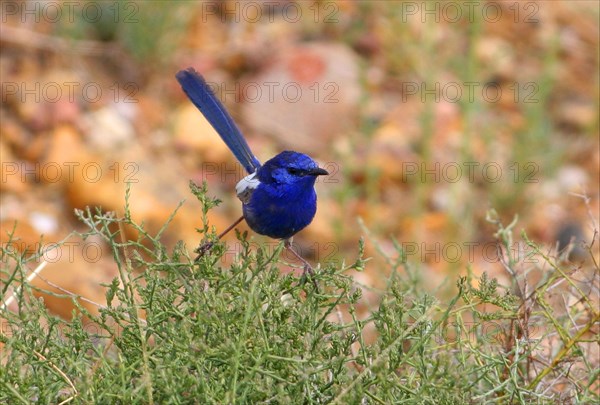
[[278, 198]]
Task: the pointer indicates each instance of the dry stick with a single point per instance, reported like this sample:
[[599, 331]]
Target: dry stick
[[510, 338], [63, 375], [563, 352], [525, 323], [523, 318], [71, 293], [586, 200]]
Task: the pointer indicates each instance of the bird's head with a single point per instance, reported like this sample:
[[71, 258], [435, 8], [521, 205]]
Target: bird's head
[[290, 168]]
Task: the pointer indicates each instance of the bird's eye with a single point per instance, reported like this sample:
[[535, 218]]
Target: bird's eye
[[294, 172]]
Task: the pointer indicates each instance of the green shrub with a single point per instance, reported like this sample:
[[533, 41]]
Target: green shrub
[[172, 331]]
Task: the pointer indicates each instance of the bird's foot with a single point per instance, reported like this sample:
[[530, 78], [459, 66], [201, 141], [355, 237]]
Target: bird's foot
[[202, 249], [308, 271], [206, 246]]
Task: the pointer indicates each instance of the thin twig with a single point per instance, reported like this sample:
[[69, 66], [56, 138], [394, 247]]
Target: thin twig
[[34, 274], [63, 375], [76, 296]]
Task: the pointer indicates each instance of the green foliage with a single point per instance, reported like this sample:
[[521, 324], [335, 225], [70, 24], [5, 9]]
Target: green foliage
[[175, 331]]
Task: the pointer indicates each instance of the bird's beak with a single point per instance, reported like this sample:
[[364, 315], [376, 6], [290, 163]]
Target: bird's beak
[[318, 172]]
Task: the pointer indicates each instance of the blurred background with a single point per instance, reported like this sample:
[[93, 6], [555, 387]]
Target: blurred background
[[426, 114]]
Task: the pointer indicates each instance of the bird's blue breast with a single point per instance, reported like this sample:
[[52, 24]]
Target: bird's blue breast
[[280, 210]]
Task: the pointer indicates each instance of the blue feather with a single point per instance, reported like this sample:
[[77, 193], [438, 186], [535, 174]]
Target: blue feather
[[204, 99]]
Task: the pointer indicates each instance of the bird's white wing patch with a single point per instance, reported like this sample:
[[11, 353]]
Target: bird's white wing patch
[[246, 187]]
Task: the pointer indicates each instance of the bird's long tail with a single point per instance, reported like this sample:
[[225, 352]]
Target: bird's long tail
[[198, 91]]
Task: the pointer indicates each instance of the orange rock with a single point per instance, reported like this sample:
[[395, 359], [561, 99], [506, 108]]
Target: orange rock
[[26, 239], [193, 132], [391, 155], [14, 134], [65, 150], [306, 98], [78, 267], [13, 179]]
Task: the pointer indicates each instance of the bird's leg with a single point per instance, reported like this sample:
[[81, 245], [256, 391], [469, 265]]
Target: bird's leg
[[206, 246], [308, 270]]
